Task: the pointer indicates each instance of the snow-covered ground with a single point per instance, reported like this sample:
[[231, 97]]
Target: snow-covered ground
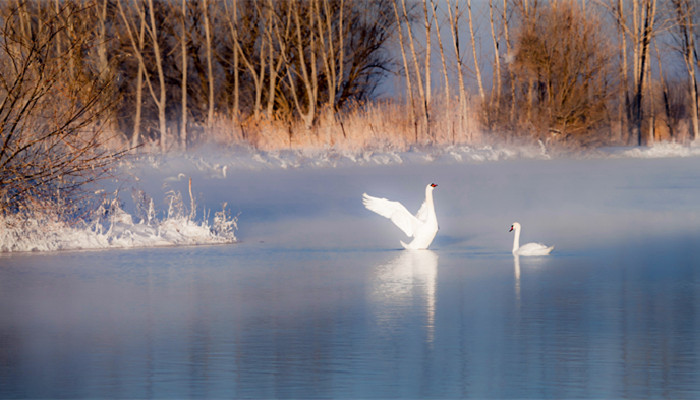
[[112, 227], [261, 186]]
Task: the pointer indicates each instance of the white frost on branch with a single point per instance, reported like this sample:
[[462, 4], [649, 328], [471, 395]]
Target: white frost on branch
[[112, 227]]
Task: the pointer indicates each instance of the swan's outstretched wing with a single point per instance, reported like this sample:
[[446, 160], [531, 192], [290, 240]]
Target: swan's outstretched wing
[[422, 213], [395, 211]]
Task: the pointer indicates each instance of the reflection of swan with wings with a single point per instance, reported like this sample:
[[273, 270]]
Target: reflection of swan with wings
[[407, 280]]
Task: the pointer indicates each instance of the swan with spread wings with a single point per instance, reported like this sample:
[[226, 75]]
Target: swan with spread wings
[[422, 227]]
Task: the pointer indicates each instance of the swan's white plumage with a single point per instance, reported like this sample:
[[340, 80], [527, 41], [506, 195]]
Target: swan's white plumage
[[422, 227], [528, 249]]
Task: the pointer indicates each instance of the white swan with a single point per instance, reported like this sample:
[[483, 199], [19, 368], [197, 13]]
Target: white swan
[[529, 249], [422, 227]]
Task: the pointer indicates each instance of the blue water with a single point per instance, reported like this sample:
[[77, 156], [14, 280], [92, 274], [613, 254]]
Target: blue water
[[235, 321], [323, 305]]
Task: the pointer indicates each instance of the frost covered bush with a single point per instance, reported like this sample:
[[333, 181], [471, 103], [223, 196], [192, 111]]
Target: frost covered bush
[[109, 226]]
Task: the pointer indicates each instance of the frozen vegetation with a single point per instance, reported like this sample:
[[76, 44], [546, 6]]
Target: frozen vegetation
[[155, 214], [109, 226]]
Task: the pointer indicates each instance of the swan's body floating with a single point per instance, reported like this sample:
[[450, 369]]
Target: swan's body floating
[[422, 227], [529, 249]]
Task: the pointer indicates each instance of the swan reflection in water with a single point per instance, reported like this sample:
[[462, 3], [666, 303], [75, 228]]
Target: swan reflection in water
[[516, 266], [405, 282]]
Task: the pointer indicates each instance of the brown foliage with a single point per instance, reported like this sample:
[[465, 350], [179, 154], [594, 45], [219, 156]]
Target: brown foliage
[[51, 120], [561, 71]]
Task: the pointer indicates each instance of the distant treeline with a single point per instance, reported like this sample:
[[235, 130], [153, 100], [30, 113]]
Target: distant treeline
[[168, 74]]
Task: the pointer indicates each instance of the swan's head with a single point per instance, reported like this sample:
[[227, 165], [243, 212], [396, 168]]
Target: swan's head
[[515, 226], [433, 185]]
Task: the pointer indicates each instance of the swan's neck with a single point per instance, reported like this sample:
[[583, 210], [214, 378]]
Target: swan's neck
[[516, 239], [429, 200]]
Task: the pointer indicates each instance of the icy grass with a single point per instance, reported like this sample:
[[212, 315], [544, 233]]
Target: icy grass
[[111, 227]]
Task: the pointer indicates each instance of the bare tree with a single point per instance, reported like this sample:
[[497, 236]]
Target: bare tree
[[477, 70], [161, 99], [685, 12], [147, 21], [509, 58], [644, 32], [427, 69], [305, 66], [50, 132], [443, 57], [414, 57], [257, 66], [407, 73], [278, 35], [137, 45], [331, 47], [210, 65], [562, 68], [102, 41], [496, 96], [454, 29], [640, 25], [183, 83]]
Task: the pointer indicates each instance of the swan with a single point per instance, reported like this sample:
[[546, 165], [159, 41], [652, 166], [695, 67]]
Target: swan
[[422, 227], [528, 249]]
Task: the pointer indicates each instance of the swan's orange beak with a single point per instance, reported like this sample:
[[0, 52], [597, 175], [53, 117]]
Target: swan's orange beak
[[433, 184], [511, 228]]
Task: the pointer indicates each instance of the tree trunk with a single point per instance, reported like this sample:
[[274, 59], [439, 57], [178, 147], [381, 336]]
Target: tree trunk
[[647, 17], [443, 59], [664, 88], [414, 57], [684, 21], [183, 87], [623, 99], [139, 84], [454, 29], [477, 70], [161, 100], [309, 76], [210, 69], [428, 48], [137, 45], [496, 92], [102, 43], [409, 90], [236, 74], [509, 57], [257, 77]]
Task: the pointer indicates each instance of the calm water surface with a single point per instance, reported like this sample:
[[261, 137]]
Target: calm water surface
[[316, 303], [244, 321]]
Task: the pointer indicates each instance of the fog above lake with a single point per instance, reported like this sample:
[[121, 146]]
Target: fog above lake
[[577, 205]]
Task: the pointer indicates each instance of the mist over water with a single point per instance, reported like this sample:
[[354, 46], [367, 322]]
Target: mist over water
[[317, 301]]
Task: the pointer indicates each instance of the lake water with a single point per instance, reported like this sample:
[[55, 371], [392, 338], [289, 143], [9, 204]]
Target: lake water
[[316, 301]]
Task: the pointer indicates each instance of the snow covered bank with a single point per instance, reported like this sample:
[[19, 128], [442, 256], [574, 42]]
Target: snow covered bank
[[218, 163], [112, 227], [660, 150]]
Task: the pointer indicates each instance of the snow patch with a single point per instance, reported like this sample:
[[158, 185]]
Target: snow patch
[[218, 164], [111, 227], [660, 150]]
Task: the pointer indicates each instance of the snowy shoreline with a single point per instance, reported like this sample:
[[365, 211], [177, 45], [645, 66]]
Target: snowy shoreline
[[111, 227], [220, 162]]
